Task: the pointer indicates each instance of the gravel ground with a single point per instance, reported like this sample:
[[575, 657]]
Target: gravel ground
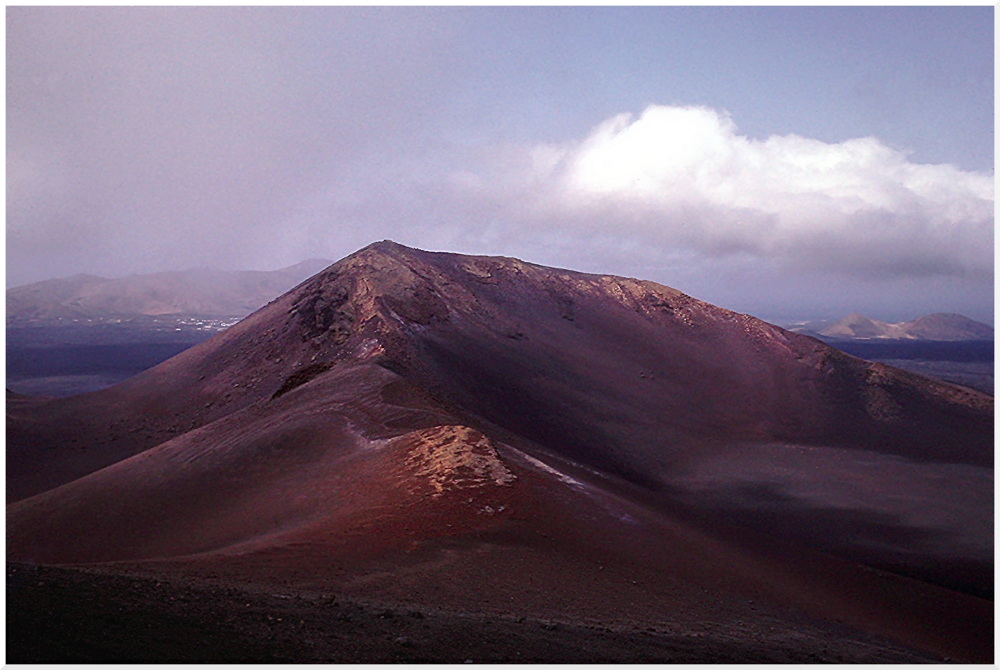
[[89, 615]]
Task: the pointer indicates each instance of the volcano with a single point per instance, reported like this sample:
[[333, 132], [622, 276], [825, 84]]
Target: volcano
[[484, 435]]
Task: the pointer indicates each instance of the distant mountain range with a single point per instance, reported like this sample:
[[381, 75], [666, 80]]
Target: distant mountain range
[[212, 294], [936, 327]]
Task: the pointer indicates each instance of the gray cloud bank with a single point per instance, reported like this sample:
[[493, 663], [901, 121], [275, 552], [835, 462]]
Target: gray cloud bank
[[781, 226], [146, 138], [684, 177]]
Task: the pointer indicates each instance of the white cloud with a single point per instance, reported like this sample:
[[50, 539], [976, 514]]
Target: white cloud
[[683, 177]]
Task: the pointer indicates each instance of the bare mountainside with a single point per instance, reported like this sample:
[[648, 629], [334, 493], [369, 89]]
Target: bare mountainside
[[937, 327], [88, 299], [484, 435]]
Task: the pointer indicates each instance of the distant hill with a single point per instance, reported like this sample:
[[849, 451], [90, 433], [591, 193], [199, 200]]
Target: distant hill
[[90, 300], [938, 327]]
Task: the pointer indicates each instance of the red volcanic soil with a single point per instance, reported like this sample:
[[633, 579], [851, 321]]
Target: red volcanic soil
[[488, 443]]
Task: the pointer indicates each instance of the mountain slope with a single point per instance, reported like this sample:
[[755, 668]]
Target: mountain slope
[[356, 481], [405, 422], [623, 374], [948, 327]]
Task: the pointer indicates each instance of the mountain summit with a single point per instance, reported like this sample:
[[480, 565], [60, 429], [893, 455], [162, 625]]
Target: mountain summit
[[404, 422]]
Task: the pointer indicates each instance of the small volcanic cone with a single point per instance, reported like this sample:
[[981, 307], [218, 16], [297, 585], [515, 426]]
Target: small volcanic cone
[[416, 426]]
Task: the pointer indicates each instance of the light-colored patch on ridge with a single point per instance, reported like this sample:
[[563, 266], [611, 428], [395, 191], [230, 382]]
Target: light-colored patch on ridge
[[566, 479], [362, 439], [369, 348], [475, 270], [456, 457]]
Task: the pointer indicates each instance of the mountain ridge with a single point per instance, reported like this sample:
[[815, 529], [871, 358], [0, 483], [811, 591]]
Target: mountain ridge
[[374, 307], [944, 327], [404, 422], [200, 292]]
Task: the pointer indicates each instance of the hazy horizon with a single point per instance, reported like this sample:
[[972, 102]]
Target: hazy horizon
[[792, 163], [785, 320]]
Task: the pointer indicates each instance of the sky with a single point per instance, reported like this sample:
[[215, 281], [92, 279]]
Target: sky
[[791, 163]]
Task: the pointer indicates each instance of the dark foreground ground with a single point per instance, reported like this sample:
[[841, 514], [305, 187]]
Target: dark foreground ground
[[85, 615]]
